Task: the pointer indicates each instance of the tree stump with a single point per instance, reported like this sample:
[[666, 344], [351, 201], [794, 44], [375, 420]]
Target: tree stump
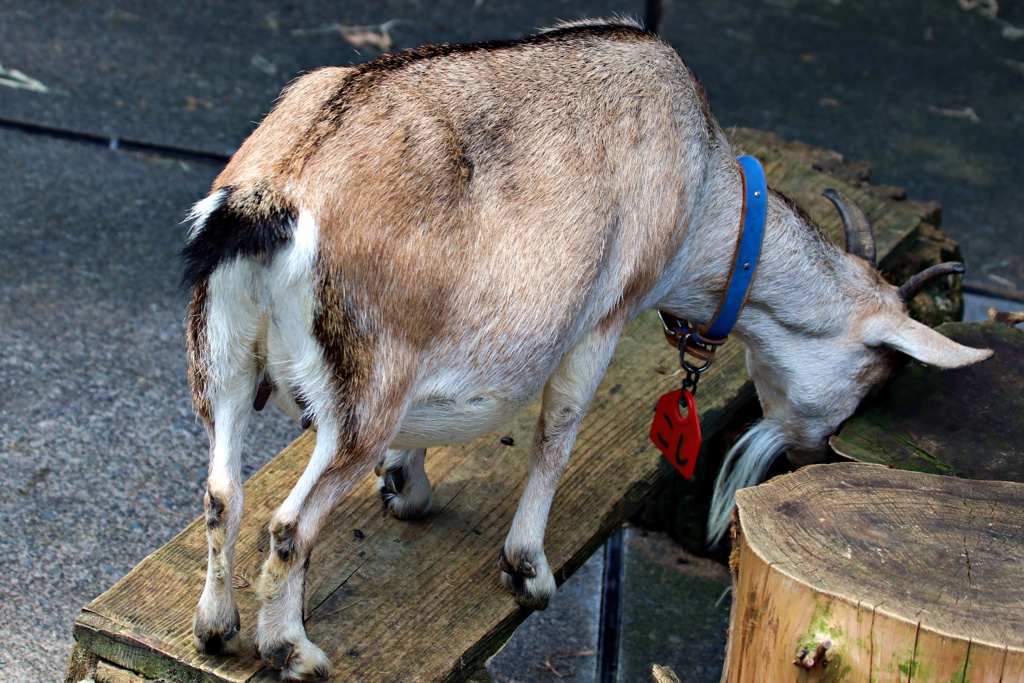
[[854, 572]]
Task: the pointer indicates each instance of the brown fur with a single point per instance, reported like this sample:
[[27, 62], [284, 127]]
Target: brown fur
[[473, 139], [196, 345]]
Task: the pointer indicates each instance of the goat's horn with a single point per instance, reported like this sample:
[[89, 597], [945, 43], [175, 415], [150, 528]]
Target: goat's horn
[[859, 239], [914, 285]]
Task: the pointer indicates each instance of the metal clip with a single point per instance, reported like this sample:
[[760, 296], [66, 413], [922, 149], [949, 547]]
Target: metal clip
[[670, 325], [693, 372]]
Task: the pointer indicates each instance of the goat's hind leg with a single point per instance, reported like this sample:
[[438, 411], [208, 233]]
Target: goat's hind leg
[[224, 375], [216, 623], [403, 485], [281, 639], [338, 463], [347, 446]]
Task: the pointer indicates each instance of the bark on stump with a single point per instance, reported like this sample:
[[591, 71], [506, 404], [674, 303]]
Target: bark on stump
[[852, 572]]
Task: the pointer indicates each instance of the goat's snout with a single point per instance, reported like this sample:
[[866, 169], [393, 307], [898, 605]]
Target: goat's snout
[[798, 457]]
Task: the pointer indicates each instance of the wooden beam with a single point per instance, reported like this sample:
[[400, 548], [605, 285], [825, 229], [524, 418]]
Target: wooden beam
[[966, 423]]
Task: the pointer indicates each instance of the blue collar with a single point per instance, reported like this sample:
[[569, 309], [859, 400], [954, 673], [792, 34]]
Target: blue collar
[[741, 276]]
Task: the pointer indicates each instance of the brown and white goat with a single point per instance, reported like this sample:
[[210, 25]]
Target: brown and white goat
[[407, 252]]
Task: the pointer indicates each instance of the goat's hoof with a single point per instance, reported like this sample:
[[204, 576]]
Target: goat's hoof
[[213, 638], [300, 661], [403, 498], [276, 656], [530, 582]]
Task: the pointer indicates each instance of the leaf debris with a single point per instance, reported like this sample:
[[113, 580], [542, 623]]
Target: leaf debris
[[373, 35], [12, 78]]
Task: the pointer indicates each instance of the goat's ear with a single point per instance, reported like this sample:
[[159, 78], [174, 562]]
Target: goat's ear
[[919, 341]]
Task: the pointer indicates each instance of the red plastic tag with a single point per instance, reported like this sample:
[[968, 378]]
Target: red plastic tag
[[677, 437]]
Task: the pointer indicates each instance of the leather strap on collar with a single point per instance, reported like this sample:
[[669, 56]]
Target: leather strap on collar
[[741, 275]]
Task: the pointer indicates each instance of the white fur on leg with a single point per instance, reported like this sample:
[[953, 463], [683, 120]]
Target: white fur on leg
[[403, 485], [233, 322], [746, 464], [281, 639], [524, 567], [525, 571], [215, 624], [280, 634], [294, 356]]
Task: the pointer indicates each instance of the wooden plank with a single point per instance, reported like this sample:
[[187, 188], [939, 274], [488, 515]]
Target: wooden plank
[[414, 600], [965, 422], [421, 600], [802, 172]]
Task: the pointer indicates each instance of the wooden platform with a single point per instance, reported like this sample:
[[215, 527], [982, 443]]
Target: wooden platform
[[420, 601], [982, 407]]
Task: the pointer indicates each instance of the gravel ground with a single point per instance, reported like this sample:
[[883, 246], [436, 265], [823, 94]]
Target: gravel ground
[[103, 457]]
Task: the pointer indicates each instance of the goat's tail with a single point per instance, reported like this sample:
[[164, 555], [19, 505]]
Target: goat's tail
[[224, 323], [746, 464], [232, 221]]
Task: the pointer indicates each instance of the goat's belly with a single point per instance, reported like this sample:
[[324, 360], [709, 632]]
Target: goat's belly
[[440, 421]]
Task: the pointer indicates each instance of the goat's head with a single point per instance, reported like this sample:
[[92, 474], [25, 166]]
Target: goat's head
[[814, 367]]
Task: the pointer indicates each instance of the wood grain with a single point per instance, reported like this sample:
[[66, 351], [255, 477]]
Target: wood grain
[[414, 601], [965, 422]]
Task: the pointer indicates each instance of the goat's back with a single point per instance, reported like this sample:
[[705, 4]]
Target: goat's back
[[512, 190]]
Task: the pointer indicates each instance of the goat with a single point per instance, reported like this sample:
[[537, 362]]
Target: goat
[[406, 252]]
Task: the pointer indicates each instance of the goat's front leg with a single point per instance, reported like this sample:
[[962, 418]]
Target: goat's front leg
[[524, 566]]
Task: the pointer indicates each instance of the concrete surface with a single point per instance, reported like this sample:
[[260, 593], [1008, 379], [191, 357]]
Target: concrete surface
[[199, 75], [886, 82], [101, 455], [675, 611], [560, 642]]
